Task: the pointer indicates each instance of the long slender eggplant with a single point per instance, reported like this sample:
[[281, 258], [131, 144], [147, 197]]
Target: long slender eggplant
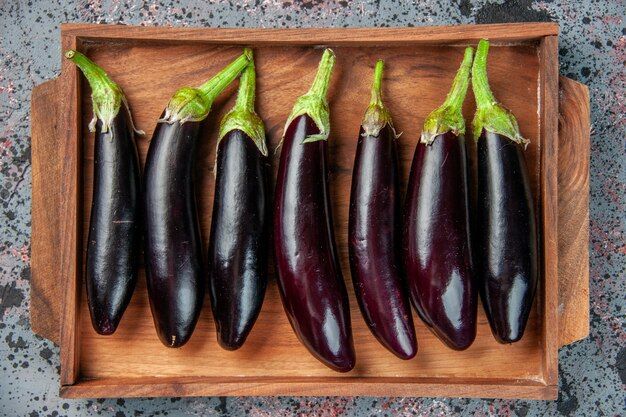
[[237, 260], [437, 245], [506, 255], [111, 271], [173, 249], [309, 275], [374, 236]]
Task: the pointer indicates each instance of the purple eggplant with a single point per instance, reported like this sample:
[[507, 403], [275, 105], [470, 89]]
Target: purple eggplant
[[237, 260], [309, 275], [374, 235], [506, 241], [437, 249], [173, 247], [111, 270]]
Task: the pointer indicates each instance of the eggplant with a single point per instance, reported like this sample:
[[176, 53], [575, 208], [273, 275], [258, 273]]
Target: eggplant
[[238, 251], [437, 240], [374, 231], [506, 238], [310, 281], [111, 270], [173, 247]]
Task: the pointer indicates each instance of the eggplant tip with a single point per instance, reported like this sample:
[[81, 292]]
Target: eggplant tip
[[105, 327], [457, 341], [173, 341], [508, 339], [340, 364], [231, 341], [405, 355], [404, 346]]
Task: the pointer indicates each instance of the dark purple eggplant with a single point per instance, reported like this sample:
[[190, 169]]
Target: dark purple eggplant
[[437, 245], [309, 275], [173, 247], [238, 250], [374, 232], [111, 270], [506, 241]]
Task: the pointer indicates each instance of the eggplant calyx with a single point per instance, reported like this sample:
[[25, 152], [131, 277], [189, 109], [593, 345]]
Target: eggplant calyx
[[377, 116], [490, 114], [314, 102], [190, 104], [449, 116], [107, 97], [242, 116]]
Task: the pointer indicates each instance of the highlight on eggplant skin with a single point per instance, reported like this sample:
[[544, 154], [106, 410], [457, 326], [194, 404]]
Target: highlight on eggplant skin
[[506, 252], [437, 241], [237, 255], [374, 231], [111, 265], [309, 276], [173, 247]]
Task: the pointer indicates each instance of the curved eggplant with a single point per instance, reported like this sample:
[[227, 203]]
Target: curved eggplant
[[374, 233], [309, 275], [173, 247], [111, 270], [237, 259], [507, 232], [437, 248]]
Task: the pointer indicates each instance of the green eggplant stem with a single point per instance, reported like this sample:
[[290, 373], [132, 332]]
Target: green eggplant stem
[[377, 115], [480, 83], [314, 102], [377, 97], [194, 104], [242, 116], [218, 83], [106, 96], [449, 116], [490, 114]]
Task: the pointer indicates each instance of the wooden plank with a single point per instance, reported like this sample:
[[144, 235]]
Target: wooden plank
[[188, 387], [509, 32], [71, 204], [47, 147], [549, 278], [574, 150]]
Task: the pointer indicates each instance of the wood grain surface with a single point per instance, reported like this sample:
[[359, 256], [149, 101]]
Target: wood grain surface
[[547, 200], [459, 34], [47, 149], [308, 386], [574, 149], [273, 361]]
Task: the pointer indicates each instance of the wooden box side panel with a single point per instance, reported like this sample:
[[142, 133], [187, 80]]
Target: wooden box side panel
[[548, 192], [573, 178], [459, 34], [71, 219], [416, 81], [186, 387]]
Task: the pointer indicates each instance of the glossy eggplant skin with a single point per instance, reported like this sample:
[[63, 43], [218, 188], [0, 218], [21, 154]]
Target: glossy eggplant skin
[[375, 243], [173, 249], [506, 251], [309, 275], [238, 249], [437, 244], [114, 227]]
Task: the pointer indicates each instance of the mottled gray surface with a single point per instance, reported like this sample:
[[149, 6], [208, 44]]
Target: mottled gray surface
[[592, 50]]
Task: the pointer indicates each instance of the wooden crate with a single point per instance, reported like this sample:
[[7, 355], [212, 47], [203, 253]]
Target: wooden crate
[[151, 63]]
